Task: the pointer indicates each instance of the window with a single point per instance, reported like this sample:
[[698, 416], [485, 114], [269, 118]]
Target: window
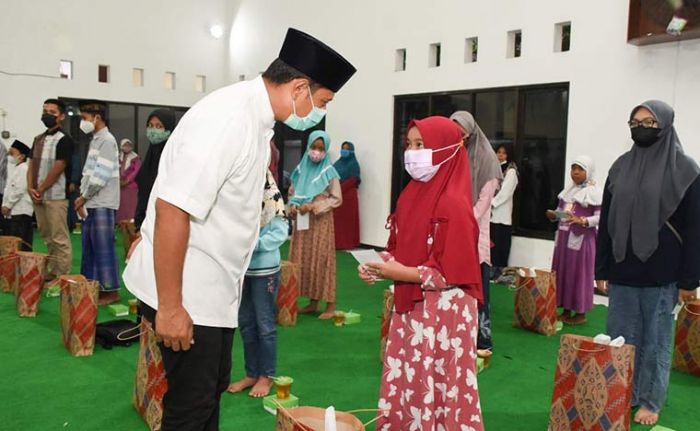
[[200, 83], [65, 69], [137, 77], [169, 80], [434, 60], [515, 41], [400, 60], [530, 121], [103, 73], [562, 37], [471, 49]]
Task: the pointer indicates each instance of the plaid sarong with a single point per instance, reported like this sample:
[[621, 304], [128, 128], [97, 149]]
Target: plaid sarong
[[99, 254]]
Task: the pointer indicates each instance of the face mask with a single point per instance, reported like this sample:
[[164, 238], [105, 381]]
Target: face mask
[[419, 163], [157, 136], [13, 160], [298, 123], [645, 136], [345, 153], [316, 156], [87, 126], [49, 121]]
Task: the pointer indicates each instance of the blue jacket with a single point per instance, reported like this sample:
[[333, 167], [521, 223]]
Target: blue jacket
[[266, 256]]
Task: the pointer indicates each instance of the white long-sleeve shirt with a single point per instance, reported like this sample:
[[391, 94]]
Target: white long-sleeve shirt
[[502, 204], [16, 196]]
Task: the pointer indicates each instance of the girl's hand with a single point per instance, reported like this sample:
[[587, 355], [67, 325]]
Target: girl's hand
[[581, 221], [602, 285], [387, 270], [293, 209], [551, 215], [306, 208], [365, 275]]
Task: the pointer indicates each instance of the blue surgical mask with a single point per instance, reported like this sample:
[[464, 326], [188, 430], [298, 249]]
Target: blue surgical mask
[[345, 153], [305, 123]]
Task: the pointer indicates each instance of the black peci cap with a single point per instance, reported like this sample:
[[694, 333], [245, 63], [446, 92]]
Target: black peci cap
[[315, 59], [21, 147]]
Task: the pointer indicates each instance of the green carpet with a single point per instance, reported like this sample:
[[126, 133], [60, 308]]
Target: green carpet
[[44, 388]]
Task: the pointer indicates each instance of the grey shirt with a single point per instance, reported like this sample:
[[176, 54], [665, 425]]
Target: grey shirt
[[100, 183]]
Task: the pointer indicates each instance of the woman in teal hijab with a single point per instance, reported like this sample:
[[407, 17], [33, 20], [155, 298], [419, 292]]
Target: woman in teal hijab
[[315, 193], [347, 217]]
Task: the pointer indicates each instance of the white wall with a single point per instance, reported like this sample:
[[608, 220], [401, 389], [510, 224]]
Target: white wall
[[608, 76], [155, 35]]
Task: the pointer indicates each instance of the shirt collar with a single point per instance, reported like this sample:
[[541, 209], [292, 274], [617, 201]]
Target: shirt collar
[[51, 133], [263, 104], [103, 131]]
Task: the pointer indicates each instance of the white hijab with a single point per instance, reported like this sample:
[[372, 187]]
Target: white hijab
[[587, 194]]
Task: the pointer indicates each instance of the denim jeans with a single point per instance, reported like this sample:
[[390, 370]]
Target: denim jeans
[[644, 316], [258, 324]]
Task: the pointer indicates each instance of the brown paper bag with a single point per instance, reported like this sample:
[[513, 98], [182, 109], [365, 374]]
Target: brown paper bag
[[312, 419], [9, 272], [32, 268], [78, 311], [151, 385]]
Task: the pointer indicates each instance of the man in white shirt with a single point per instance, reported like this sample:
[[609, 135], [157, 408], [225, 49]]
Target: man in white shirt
[[203, 218]]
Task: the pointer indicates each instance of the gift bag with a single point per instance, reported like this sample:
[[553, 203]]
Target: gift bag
[[129, 234], [312, 419], [387, 311], [9, 244], [78, 311], [686, 351], [32, 267], [9, 272], [288, 294], [536, 302], [151, 384], [592, 386]]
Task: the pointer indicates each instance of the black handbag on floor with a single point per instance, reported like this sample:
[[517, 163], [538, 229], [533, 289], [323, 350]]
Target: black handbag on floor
[[122, 332]]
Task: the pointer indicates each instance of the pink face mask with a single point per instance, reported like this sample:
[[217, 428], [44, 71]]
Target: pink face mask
[[316, 156]]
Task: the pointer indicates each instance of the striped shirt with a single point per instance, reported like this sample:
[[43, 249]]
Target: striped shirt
[[100, 183]]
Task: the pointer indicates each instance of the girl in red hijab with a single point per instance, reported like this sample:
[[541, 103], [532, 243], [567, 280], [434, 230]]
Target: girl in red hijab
[[429, 378]]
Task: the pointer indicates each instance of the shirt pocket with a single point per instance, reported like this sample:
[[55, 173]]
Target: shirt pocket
[[575, 241]]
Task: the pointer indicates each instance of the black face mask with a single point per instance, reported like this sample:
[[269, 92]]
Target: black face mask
[[645, 136], [49, 121]]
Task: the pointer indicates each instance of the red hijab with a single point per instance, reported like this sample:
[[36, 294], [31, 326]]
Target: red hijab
[[438, 211]]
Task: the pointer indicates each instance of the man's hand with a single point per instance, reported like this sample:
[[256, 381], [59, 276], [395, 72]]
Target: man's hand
[[6, 211], [602, 285], [71, 188], [35, 195], [686, 295], [79, 203], [174, 326]]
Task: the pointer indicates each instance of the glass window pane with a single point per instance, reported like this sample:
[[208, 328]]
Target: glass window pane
[[121, 121], [496, 114], [541, 156], [447, 104]]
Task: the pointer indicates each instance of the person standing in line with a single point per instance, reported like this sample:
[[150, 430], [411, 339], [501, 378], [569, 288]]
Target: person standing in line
[[16, 203], [47, 173], [98, 202], [347, 217], [486, 176], [502, 213], [129, 165]]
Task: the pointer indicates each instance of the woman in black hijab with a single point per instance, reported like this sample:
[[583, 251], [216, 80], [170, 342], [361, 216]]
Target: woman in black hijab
[[649, 248], [159, 126]]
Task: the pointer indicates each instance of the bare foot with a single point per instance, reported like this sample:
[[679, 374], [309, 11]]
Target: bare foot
[[261, 388], [329, 313], [244, 383], [311, 308], [107, 298], [645, 416]]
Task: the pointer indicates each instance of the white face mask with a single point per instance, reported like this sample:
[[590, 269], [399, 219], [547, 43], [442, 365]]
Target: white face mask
[[87, 126], [419, 163]]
